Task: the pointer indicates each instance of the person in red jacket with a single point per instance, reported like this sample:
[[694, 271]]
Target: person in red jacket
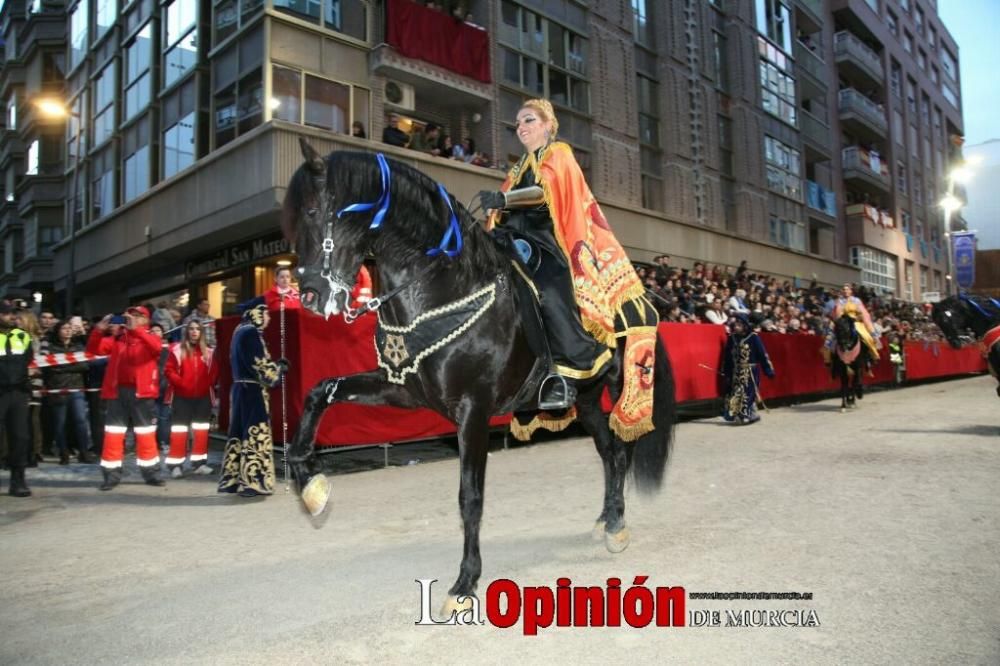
[[191, 372], [282, 291], [131, 384]]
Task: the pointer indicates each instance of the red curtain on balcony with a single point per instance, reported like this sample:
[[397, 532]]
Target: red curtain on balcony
[[435, 37]]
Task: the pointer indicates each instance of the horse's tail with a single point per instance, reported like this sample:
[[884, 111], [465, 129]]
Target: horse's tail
[[649, 458]]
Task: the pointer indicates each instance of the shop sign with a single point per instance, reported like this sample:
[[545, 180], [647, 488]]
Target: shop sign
[[237, 256]]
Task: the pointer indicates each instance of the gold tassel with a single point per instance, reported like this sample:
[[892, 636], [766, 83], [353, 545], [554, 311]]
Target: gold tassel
[[523, 432], [630, 433]]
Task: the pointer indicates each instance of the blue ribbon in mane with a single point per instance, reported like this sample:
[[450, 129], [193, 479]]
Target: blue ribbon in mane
[[977, 306], [382, 202], [452, 236], [451, 242]]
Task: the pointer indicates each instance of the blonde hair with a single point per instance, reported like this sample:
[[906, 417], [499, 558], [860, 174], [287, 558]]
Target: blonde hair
[[544, 108]]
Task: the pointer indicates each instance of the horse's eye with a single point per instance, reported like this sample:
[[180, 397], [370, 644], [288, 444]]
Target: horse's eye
[[947, 313], [312, 212]]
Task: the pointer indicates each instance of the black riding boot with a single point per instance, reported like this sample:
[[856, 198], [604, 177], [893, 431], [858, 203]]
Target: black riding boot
[[557, 392], [112, 477], [18, 486]]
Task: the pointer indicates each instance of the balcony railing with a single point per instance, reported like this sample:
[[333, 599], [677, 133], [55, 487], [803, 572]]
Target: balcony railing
[[821, 199], [851, 101], [869, 164], [424, 34], [809, 61], [847, 45], [815, 7], [815, 130]]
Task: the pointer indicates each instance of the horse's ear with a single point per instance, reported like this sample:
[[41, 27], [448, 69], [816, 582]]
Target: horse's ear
[[314, 162]]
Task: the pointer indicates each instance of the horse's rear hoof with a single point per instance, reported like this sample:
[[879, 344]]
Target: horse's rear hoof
[[598, 532], [453, 607], [316, 495], [618, 541]]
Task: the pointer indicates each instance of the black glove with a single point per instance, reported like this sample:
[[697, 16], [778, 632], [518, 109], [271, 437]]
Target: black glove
[[492, 199], [283, 364]]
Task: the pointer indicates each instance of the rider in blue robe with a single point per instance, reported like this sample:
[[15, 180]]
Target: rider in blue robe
[[248, 460], [742, 362]]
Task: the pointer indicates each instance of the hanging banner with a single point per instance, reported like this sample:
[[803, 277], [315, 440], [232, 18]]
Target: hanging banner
[[964, 244]]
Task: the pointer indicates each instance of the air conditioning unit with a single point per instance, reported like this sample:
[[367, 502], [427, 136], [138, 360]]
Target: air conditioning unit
[[400, 95]]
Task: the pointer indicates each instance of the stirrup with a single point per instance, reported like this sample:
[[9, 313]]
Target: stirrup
[[563, 399]]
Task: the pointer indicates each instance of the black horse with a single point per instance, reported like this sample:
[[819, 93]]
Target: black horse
[[964, 319], [475, 376], [850, 360]]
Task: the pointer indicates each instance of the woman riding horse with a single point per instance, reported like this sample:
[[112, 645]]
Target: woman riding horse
[[584, 275], [850, 305]]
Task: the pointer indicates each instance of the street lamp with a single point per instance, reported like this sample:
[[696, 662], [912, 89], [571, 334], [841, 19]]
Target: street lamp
[[56, 109], [950, 204]]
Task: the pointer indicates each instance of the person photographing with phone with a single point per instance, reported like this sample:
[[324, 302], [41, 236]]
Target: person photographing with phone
[[131, 385]]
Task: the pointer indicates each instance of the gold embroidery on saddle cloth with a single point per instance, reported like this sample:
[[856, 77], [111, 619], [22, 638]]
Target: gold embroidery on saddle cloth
[[397, 375], [741, 380]]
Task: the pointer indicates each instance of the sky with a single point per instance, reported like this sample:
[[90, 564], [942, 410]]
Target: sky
[[974, 25]]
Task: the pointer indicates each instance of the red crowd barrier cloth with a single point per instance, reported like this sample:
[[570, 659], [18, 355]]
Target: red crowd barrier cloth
[[940, 360], [317, 349], [435, 37]]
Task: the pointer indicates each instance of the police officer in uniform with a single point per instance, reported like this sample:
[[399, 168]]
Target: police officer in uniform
[[15, 390]]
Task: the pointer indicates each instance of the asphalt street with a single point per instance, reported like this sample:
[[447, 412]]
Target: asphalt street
[[888, 515]]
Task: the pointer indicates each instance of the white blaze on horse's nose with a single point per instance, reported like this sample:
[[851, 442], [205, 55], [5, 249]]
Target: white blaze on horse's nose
[[301, 270]]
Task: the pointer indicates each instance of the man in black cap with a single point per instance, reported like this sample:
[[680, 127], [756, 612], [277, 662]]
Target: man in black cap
[[15, 390]]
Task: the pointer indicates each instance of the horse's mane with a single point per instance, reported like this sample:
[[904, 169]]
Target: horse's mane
[[975, 306], [417, 217]]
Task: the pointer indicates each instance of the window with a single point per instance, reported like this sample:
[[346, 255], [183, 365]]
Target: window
[[774, 21], [227, 19], [904, 5], [135, 170], [641, 24], [937, 119], [777, 86], [918, 191], [897, 126], [721, 68], [948, 65], [652, 178], [178, 146], [896, 79], [106, 12], [286, 94], [237, 102], [788, 233], [180, 40], [925, 110], [892, 22], [878, 269], [911, 98], [12, 113], [935, 77], [251, 102], [104, 105], [327, 104], [901, 178], [103, 184], [179, 120], [138, 82], [249, 9], [949, 94], [545, 58], [76, 132], [31, 168], [922, 59], [907, 41], [932, 37], [918, 19], [78, 34], [783, 168], [349, 17], [305, 9], [649, 114]]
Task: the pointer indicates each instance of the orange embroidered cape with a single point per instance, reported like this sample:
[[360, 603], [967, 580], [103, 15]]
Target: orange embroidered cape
[[604, 282], [603, 277]]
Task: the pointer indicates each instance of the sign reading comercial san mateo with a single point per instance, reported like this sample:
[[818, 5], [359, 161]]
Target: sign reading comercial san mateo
[[236, 256]]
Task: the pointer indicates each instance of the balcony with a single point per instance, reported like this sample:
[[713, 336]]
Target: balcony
[[865, 171], [815, 133], [39, 191], [435, 54], [862, 116], [9, 219], [815, 74], [857, 60], [47, 29], [820, 199], [867, 225], [813, 11]]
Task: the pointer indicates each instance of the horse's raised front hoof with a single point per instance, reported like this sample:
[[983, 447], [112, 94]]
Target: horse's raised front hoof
[[451, 606], [316, 495], [598, 532], [618, 541]]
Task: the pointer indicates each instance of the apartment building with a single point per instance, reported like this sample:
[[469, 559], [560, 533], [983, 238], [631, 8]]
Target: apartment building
[[709, 129]]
